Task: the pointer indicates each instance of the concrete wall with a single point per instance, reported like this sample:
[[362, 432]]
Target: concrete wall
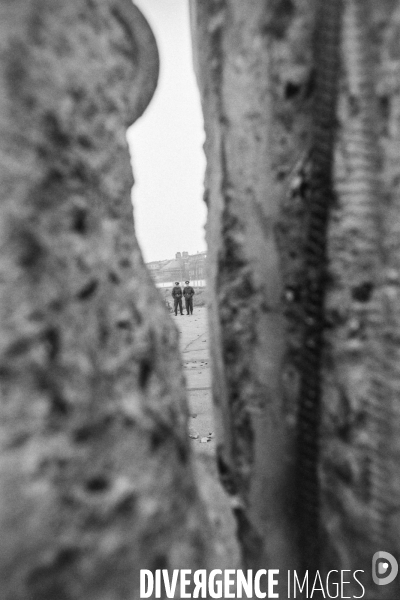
[[96, 477], [303, 273], [238, 48]]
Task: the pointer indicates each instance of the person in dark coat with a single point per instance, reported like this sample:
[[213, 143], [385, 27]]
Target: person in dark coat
[[177, 296], [188, 293]]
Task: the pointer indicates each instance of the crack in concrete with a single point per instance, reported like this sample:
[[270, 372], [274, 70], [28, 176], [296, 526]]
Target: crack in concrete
[[193, 341]]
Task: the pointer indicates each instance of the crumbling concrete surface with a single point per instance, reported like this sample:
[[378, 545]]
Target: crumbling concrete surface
[[360, 458], [95, 471], [303, 198], [254, 66]]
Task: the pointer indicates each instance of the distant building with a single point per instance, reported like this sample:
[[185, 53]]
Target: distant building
[[183, 266]]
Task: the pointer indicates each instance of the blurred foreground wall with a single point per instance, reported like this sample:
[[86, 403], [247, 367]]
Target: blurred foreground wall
[[301, 107], [95, 472]]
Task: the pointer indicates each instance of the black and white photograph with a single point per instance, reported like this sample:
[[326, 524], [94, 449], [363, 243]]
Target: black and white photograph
[[199, 299]]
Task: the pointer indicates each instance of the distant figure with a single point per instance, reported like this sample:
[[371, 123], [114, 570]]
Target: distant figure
[[177, 296], [188, 293]]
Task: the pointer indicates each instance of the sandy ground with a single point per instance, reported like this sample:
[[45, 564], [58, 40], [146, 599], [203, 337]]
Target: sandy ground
[[196, 363]]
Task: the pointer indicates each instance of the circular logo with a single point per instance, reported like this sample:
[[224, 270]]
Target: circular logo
[[384, 568]]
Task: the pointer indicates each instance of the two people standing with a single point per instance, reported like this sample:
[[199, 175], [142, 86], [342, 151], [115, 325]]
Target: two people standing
[[188, 293]]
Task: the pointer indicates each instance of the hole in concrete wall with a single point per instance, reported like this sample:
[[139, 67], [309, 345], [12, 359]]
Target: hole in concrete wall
[[88, 290], [385, 109], [384, 105], [83, 434], [59, 406], [291, 90], [79, 220], [113, 277], [125, 263], [55, 133], [19, 346], [362, 292], [126, 505], [129, 421], [160, 562], [85, 141], [52, 339], [158, 437], [145, 369], [97, 484]]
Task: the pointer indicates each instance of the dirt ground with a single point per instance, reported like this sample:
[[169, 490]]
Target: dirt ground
[[196, 364], [194, 347]]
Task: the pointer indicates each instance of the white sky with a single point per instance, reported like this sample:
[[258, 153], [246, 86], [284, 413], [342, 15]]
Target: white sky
[[166, 144]]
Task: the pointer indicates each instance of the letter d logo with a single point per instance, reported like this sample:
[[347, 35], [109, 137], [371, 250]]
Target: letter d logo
[[381, 574]]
